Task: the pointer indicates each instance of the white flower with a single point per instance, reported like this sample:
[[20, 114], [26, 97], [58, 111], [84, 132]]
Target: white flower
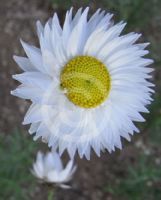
[[87, 83], [48, 168]]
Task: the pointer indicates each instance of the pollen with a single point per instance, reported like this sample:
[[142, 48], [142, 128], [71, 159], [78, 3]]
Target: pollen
[[86, 81]]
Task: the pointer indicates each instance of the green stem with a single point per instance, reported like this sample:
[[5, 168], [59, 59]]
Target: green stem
[[51, 194]]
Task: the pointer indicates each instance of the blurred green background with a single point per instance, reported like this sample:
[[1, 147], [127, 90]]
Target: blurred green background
[[132, 174]]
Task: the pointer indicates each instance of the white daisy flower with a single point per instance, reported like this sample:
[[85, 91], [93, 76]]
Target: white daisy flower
[[48, 168], [87, 83]]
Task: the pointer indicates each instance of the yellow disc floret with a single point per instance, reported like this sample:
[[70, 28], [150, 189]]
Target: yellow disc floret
[[86, 81]]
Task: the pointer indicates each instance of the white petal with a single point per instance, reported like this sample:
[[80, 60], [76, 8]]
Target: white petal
[[24, 63], [56, 23], [53, 161], [34, 127], [67, 173], [116, 44], [34, 56], [78, 36], [63, 186], [40, 29], [76, 17], [103, 37], [33, 115], [35, 79], [38, 166], [67, 27]]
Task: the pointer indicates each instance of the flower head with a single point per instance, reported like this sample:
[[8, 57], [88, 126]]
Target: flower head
[[48, 168], [87, 83]]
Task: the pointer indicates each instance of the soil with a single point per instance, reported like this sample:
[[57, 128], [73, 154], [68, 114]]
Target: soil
[[17, 20]]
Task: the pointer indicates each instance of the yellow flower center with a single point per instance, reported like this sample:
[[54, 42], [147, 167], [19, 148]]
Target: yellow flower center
[[86, 81]]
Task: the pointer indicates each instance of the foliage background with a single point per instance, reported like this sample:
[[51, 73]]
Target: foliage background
[[131, 174]]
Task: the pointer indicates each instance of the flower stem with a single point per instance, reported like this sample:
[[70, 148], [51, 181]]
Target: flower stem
[[50, 194]]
